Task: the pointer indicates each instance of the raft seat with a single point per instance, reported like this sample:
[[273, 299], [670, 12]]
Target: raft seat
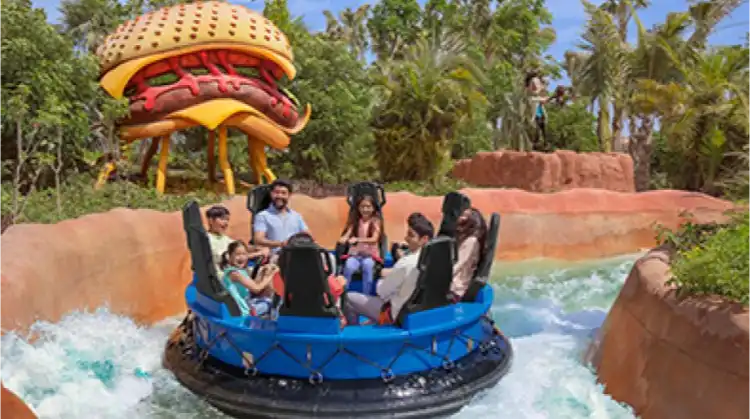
[[353, 192], [308, 304], [484, 267], [433, 283], [205, 277]]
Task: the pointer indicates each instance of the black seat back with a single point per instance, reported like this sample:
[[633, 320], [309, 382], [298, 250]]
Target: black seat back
[[454, 203], [258, 199], [206, 278], [484, 267], [353, 193], [435, 276], [305, 266]]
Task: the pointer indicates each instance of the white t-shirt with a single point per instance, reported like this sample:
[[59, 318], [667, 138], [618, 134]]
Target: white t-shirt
[[400, 283], [219, 244]]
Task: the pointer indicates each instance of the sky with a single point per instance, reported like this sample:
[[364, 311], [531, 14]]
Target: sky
[[568, 18]]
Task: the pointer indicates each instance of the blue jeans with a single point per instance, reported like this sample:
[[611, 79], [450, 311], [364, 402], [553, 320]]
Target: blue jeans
[[261, 305], [354, 263]]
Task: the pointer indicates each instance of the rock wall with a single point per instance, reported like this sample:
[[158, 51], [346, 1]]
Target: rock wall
[[548, 172], [12, 407], [672, 359], [137, 262]]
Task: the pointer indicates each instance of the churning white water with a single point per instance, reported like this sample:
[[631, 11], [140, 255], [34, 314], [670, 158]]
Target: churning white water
[[100, 365]]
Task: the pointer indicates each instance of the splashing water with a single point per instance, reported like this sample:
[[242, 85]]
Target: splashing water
[[100, 365]]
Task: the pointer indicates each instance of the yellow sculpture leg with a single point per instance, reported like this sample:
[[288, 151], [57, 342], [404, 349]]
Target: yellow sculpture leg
[[161, 171], [104, 174], [211, 156], [258, 161], [224, 161]]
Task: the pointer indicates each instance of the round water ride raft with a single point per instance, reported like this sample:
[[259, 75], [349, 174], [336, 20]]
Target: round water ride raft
[[435, 358]]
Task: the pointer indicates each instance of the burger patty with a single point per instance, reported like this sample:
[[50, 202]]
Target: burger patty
[[169, 99]]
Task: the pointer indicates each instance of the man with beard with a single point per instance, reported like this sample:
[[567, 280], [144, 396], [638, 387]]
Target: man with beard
[[277, 223]]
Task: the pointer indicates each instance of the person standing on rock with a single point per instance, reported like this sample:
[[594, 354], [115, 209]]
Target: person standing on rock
[[535, 88], [277, 223]]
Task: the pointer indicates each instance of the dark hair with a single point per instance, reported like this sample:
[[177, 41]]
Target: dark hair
[[530, 76], [474, 225], [217, 211], [421, 225], [354, 217], [302, 237], [282, 183], [231, 249], [413, 216]]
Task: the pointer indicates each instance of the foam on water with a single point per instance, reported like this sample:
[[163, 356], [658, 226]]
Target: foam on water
[[100, 365]]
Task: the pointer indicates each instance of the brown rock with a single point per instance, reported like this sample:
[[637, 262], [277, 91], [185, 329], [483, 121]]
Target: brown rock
[[548, 172], [669, 358], [13, 407], [137, 262]]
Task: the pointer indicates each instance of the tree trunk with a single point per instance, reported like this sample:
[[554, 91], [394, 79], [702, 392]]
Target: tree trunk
[[618, 117], [640, 148], [603, 125]]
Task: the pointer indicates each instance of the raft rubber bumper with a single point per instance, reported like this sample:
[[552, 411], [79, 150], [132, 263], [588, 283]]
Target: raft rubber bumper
[[434, 393]]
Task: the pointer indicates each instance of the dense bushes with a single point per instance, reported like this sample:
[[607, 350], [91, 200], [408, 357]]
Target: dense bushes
[[711, 259]]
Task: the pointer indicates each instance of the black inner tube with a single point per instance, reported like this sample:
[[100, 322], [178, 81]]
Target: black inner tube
[[429, 394]]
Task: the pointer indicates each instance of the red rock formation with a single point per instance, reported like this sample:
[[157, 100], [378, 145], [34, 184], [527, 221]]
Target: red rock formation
[[548, 172], [673, 359], [136, 261], [12, 407]]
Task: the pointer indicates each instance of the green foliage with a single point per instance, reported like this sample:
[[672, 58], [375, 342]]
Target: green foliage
[[394, 26], [47, 90], [571, 127], [79, 199], [428, 95], [336, 146], [437, 187], [712, 259]]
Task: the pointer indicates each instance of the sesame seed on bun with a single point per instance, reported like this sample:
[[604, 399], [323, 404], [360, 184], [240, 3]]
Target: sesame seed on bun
[[191, 27]]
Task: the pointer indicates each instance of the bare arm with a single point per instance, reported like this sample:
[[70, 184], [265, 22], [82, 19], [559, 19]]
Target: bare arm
[[254, 287], [261, 240], [347, 234]]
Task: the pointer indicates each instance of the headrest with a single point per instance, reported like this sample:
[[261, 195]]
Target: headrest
[[298, 250], [488, 253], [356, 190], [305, 268], [439, 248], [258, 198]]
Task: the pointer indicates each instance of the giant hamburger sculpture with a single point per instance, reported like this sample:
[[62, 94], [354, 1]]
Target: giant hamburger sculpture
[[209, 64]]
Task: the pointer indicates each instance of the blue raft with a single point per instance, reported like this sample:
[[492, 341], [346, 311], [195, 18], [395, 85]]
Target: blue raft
[[429, 364]]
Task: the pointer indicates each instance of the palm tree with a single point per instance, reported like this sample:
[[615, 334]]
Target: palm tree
[[88, 22], [427, 94], [601, 68], [704, 115], [350, 27]]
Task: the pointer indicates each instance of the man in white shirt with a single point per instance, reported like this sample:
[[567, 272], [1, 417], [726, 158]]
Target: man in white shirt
[[394, 290]]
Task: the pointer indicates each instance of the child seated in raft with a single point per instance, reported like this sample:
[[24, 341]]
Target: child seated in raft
[[254, 297], [362, 232], [471, 234], [218, 222]]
